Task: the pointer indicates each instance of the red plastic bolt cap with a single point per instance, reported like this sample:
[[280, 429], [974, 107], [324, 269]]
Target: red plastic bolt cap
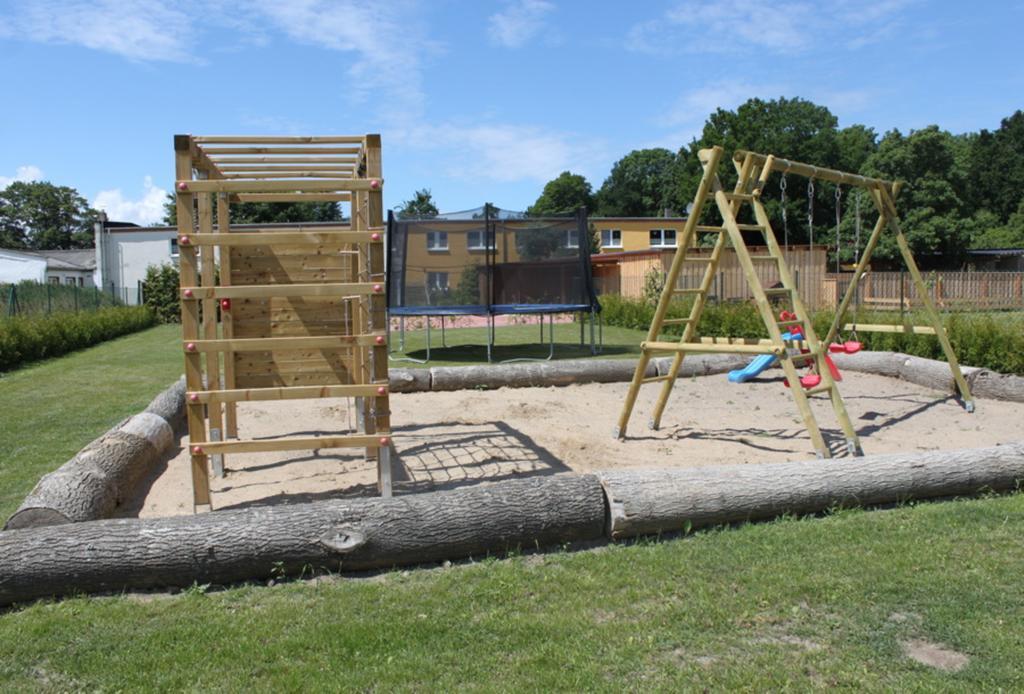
[[197, 450], [375, 236], [384, 440], [380, 340], [382, 391], [183, 240], [191, 346], [188, 293], [193, 397], [225, 304], [374, 184], [378, 288], [183, 186]]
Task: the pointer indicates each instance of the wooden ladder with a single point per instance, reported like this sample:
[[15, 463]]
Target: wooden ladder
[[792, 354]]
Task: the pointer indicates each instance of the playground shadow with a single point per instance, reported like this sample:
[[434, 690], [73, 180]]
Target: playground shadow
[[477, 353], [430, 457]]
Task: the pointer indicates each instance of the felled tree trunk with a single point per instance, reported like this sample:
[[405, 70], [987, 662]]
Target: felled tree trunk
[[254, 543], [654, 501]]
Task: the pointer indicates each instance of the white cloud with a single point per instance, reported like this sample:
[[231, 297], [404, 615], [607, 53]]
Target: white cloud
[[696, 105], [736, 26], [22, 173], [147, 210], [138, 30], [387, 58], [518, 23], [505, 152]]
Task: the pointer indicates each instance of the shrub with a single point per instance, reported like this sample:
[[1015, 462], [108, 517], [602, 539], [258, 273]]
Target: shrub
[[984, 340], [160, 289], [29, 338]]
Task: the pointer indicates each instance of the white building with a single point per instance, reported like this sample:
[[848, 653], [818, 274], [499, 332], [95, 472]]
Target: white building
[[76, 267], [124, 252]]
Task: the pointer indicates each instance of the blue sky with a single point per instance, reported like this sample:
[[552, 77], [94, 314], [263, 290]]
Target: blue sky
[[477, 101]]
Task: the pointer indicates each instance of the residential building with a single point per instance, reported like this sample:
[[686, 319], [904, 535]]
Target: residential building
[[618, 234], [70, 267]]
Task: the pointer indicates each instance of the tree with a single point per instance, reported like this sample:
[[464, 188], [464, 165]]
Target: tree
[[641, 184], [996, 167], [563, 195], [934, 217], [41, 216], [266, 212], [1009, 235], [421, 206]]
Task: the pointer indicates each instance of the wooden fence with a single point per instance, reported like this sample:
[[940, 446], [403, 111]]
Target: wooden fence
[[952, 290]]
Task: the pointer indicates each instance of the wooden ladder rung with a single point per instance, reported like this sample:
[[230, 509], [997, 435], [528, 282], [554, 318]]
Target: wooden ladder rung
[[764, 257], [737, 196], [818, 389], [778, 290], [676, 321], [697, 259], [750, 227], [787, 323], [688, 290], [804, 356], [655, 379], [705, 229]]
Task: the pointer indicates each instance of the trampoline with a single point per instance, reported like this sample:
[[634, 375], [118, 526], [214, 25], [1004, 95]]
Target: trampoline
[[490, 262]]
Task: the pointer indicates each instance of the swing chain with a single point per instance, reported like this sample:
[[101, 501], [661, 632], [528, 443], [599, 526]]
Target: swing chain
[[810, 211], [856, 227], [839, 195], [785, 224]]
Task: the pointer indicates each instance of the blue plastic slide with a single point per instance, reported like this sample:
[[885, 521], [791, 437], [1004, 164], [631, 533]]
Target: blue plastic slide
[[755, 367]]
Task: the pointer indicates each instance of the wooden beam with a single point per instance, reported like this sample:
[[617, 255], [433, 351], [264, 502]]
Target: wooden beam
[[283, 160], [333, 175], [262, 168], [285, 393], [884, 328], [218, 186], [291, 197], [266, 344], [279, 139], [811, 171], [702, 348], [291, 238], [294, 443], [264, 291], [212, 151]]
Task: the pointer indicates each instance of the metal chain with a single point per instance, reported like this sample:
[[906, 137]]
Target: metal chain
[[785, 224], [839, 195], [810, 211], [856, 227]]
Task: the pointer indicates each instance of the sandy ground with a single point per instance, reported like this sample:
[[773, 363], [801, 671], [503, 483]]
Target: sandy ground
[[448, 439]]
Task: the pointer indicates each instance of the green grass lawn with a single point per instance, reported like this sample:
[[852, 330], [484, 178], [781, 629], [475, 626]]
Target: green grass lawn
[[789, 605], [50, 409], [469, 345], [794, 604]]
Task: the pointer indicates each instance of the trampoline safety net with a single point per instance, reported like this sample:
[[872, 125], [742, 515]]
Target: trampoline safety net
[[489, 261]]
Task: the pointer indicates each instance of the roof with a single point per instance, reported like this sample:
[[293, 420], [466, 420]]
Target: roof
[[83, 259], [997, 251]]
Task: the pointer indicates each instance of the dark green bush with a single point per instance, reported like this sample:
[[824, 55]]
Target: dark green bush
[[30, 338], [160, 290], [990, 341]]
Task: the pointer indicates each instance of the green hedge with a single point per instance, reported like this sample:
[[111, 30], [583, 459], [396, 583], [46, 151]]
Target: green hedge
[[29, 338], [992, 341]]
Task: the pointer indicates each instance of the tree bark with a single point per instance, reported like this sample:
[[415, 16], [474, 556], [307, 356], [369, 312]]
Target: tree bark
[[409, 380], [655, 501], [258, 542], [989, 384], [523, 375], [106, 472]]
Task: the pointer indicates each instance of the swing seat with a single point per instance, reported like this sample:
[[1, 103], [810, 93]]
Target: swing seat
[[848, 347], [810, 380]]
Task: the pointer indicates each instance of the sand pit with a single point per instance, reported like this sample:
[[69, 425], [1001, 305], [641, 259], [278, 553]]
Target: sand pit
[[446, 439]]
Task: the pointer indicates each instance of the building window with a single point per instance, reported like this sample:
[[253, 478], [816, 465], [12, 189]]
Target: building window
[[437, 240], [572, 238], [663, 238], [53, 280], [475, 240], [81, 281], [174, 248], [437, 281], [611, 238], [69, 280]]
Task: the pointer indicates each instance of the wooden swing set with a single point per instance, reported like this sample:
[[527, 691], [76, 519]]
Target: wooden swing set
[[294, 313], [754, 171]]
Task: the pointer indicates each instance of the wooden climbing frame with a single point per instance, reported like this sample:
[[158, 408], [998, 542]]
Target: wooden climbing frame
[[753, 171], [293, 313]]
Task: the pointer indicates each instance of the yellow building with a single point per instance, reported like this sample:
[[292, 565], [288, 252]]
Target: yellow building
[[617, 234]]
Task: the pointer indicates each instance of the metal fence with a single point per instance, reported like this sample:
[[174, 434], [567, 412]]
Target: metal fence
[[39, 299]]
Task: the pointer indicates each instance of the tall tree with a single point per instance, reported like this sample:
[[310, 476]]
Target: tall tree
[[641, 184], [996, 167], [563, 195], [934, 216], [41, 216], [420, 206]]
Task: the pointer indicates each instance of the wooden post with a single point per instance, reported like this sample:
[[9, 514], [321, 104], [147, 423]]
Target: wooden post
[[227, 316], [187, 263]]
